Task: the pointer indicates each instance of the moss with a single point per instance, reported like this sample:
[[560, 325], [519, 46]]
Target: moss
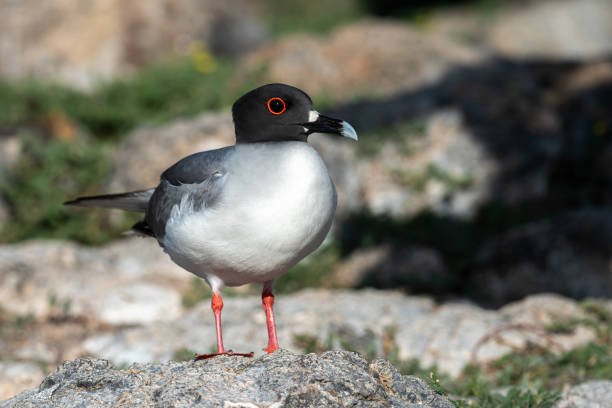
[[316, 16], [49, 172], [311, 272], [198, 291], [162, 91], [183, 354]]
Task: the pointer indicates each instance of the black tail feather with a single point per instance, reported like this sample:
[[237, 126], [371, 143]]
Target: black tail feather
[[131, 201]]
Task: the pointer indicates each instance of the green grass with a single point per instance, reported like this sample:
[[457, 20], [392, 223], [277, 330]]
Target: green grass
[[311, 272], [533, 377], [176, 87], [183, 354], [198, 291], [48, 173], [402, 135], [312, 16]]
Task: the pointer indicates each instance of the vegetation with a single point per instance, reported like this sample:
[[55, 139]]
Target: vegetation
[[66, 138], [317, 16], [531, 378], [311, 272]]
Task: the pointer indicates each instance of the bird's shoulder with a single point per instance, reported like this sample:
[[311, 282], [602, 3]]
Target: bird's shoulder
[[198, 167], [192, 181]]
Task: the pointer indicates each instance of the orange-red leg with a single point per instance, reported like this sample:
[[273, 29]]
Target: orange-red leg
[[216, 304], [267, 300]]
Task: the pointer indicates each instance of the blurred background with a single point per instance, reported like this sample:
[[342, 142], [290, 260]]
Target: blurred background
[[483, 173]]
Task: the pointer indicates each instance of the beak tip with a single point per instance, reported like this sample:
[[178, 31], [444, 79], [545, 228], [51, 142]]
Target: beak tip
[[348, 131]]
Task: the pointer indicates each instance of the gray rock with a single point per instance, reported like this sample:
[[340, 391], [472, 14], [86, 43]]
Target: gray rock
[[46, 39], [345, 63], [281, 379], [448, 335], [559, 29], [16, 376], [127, 282], [592, 394]]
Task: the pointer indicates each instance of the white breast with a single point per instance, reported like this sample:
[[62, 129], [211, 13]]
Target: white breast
[[276, 207]]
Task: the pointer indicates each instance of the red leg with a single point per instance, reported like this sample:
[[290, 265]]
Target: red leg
[[267, 300], [216, 305]]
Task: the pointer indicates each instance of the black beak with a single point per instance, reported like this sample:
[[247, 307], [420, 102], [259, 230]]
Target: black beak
[[325, 124]]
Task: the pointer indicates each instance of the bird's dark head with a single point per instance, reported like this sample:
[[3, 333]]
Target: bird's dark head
[[278, 112]]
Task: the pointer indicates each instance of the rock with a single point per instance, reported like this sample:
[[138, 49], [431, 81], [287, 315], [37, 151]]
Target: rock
[[128, 282], [46, 40], [16, 377], [561, 29], [280, 379], [568, 254], [418, 269], [592, 394], [352, 61], [448, 335], [482, 140], [10, 152], [317, 315], [164, 145]]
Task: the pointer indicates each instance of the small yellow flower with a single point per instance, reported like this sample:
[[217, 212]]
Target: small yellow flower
[[203, 61]]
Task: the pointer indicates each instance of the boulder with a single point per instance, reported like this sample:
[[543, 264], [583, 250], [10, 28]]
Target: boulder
[[282, 379], [127, 282], [367, 57], [80, 43], [554, 29], [591, 394], [16, 376]]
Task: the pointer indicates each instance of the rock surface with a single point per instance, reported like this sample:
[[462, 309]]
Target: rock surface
[[346, 63], [562, 29], [592, 394], [122, 302], [46, 39], [448, 335], [18, 376], [282, 379], [127, 282]]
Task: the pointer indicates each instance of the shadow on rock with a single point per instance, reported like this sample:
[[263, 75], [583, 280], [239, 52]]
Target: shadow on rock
[[542, 217]]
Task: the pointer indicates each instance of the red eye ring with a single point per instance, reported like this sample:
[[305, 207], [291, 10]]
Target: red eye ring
[[279, 112]]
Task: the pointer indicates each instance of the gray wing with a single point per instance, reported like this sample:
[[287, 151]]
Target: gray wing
[[195, 178]]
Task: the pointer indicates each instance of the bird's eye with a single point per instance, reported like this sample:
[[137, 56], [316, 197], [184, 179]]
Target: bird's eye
[[276, 106]]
